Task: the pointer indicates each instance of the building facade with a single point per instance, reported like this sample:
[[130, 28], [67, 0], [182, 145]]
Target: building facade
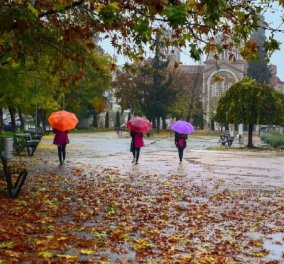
[[218, 76]]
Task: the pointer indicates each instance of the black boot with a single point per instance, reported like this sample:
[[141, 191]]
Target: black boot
[[60, 155]]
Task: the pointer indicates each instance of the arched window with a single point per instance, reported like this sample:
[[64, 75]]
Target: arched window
[[225, 80]]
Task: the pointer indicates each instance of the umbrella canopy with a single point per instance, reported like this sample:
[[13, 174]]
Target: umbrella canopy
[[182, 127], [62, 120], [139, 124]]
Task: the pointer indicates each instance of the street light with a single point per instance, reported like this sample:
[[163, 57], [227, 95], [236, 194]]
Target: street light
[[36, 116]]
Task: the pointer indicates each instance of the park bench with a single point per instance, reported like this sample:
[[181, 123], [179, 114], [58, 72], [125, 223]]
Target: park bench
[[226, 139], [120, 129], [35, 134], [13, 172], [25, 141]]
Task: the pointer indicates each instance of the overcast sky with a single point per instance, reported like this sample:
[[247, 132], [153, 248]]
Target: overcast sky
[[272, 17]]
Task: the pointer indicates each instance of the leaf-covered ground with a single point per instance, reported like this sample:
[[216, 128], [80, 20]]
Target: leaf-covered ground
[[79, 215]]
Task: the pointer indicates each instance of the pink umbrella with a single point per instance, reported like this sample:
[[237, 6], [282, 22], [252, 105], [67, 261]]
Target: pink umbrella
[[182, 127], [139, 125]]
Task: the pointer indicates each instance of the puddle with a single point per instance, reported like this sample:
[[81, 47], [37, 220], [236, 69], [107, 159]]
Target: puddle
[[274, 243]]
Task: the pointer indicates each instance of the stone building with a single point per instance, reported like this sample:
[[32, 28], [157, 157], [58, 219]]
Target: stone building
[[275, 81], [213, 77], [218, 76]]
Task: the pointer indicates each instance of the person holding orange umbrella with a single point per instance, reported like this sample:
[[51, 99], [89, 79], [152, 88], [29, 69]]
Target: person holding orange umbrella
[[61, 140], [62, 122]]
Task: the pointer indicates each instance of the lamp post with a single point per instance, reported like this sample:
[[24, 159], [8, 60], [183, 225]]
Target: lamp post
[[36, 112], [63, 101], [241, 129]]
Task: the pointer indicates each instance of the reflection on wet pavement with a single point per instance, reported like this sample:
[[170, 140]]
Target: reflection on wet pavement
[[159, 156], [209, 172]]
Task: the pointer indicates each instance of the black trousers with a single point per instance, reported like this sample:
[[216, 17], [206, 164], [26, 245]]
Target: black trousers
[[180, 153], [136, 154], [61, 153]]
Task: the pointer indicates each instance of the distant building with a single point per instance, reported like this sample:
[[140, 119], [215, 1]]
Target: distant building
[[214, 77], [218, 76], [275, 81]]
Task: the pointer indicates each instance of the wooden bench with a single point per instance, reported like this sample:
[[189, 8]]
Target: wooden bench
[[25, 141], [14, 173], [119, 130], [35, 134], [226, 139]]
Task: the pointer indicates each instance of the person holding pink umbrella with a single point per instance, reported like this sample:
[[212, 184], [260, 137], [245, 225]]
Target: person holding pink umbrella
[[138, 143], [137, 126]]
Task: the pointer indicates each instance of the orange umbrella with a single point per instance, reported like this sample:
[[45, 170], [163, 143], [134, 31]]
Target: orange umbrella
[[62, 120]]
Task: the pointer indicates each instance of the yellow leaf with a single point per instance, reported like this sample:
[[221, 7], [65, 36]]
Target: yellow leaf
[[40, 242], [143, 244], [259, 254], [14, 65], [45, 254], [69, 257], [99, 8], [12, 253], [62, 238], [87, 251], [33, 10]]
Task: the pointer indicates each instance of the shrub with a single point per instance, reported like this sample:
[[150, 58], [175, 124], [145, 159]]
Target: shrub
[[274, 139]]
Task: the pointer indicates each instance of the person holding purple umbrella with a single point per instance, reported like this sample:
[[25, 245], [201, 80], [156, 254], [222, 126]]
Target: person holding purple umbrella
[[182, 129], [180, 141]]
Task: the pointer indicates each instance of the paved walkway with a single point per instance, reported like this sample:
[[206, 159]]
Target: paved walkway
[[259, 174], [159, 157]]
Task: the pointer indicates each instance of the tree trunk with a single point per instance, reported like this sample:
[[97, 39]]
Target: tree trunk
[[1, 120], [95, 120], [154, 124], [43, 120], [250, 131], [22, 127], [158, 124], [38, 115], [129, 116], [212, 125], [164, 123], [117, 120], [12, 115], [107, 120]]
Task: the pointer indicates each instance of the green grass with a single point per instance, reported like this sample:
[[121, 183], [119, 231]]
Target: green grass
[[274, 139], [7, 134]]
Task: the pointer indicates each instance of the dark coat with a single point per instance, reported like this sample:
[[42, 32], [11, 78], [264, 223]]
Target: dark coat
[[177, 137], [61, 137], [136, 141]]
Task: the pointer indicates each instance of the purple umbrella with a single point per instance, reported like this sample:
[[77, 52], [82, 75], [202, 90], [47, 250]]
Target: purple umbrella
[[182, 127]]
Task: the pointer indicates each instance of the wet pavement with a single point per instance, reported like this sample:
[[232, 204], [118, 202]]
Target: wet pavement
[[159, 156], [231, 169]]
